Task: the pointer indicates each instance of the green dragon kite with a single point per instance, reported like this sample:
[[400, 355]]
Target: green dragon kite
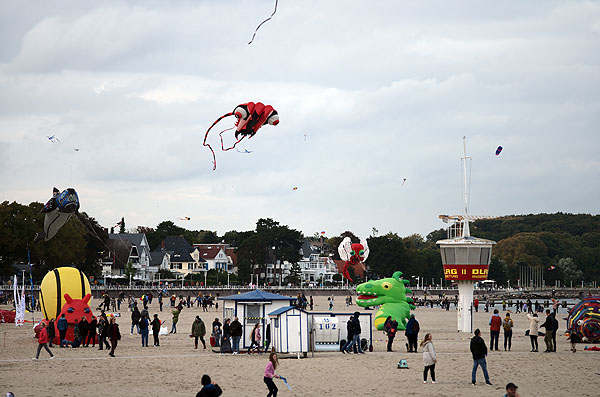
[[390, 293]]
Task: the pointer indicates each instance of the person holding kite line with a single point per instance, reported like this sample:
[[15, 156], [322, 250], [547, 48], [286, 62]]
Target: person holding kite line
[[270, 374]]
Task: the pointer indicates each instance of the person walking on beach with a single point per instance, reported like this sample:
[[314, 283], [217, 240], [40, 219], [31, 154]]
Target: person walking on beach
[[429, 358], [91, 335], [175, 312], [198, 331], [155, 329], [135, 319], [412, 333], [62, 326], [479, 351], [115, 335], [350, 330], [356, 330], [533, 331], [256, 338], [209, 389], [103, 332], [507, 325], [43, 342], [495, 323], [270, 374]]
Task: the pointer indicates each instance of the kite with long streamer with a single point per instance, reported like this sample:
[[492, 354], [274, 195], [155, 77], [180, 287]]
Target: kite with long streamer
[[250, 117], [268, 19]]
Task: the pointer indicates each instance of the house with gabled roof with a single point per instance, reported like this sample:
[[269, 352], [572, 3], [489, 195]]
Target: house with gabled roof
[[218, 256], [183, 258], [123, 249], [314, 267]]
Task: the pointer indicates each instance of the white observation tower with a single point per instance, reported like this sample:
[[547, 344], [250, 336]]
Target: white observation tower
[[465, 258]]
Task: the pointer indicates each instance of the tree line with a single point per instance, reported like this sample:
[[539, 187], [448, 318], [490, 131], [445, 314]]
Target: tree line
[[566, 245]]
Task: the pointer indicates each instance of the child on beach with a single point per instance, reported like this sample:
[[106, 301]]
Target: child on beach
[[574, 338], [429, 358], [270, 374]]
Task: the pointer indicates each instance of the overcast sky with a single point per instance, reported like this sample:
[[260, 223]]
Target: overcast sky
[[368, 92]]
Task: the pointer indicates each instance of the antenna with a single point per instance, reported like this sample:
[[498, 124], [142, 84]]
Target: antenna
[[466, 231]]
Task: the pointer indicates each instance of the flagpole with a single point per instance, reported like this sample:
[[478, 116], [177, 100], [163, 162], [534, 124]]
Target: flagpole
[[31, 281]]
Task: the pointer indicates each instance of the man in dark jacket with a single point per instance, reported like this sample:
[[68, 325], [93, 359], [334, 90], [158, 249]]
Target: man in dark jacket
[[91, 336], [155, 329], [83, 330], [103, 332], [350, 329], [549, 325], [236, 334], [135, 319], [554, 330], [355, 334], [114, 334], [479, 351], [412, 333]]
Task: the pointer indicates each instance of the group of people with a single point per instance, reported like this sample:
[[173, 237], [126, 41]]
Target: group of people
[[84, 332]]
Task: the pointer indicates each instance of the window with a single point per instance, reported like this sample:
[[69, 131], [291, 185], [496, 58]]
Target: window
[[484, 258], [461, 255], [449, 255], [253, 314], [474, 255]]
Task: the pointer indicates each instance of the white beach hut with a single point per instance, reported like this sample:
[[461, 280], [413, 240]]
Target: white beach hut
[[251, 308], [290, 330]]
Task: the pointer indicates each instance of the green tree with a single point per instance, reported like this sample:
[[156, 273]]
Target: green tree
[[295, 274], [569, 270], [129, 271], [122, 225], [387, 255]]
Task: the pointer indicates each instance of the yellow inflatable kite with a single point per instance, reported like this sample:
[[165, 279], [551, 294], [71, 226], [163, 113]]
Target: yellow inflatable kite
[[57, 283]]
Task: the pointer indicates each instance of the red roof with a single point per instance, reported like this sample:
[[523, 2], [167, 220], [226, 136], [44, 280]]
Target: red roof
[[359, 269], [209, 251]]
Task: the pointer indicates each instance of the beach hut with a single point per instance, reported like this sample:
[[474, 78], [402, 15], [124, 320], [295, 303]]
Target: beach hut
[[290, 330], [251, 308], [330, 330]]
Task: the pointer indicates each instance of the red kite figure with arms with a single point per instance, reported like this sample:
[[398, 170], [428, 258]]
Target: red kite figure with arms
[[250, 117]]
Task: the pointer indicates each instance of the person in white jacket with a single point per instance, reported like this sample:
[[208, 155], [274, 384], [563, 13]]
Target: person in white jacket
[[429, 358], [533, 331]]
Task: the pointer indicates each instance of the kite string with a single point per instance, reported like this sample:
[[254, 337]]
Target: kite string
[[206, 136], [268, 19]]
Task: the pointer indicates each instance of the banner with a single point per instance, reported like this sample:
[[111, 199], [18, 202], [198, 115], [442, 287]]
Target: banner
[[466, 272], [19, 304]]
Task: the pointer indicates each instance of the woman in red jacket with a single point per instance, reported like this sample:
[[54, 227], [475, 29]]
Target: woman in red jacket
[[43, 342]]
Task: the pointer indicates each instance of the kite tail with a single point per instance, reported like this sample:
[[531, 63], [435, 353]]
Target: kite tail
[[268, 19], [236, 142], [206, 136]]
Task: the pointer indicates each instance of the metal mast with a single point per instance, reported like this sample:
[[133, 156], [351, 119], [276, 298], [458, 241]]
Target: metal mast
[[466, 231]]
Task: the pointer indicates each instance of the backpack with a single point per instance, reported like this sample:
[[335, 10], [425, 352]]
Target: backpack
[[416, 327]]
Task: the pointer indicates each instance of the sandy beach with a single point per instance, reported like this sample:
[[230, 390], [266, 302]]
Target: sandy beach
[[175, 368]]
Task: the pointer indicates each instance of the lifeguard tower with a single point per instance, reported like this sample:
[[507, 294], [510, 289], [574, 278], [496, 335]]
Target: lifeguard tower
[[465, 258]]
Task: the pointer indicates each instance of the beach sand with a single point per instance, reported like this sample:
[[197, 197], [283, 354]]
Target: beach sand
[[175, 368]]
